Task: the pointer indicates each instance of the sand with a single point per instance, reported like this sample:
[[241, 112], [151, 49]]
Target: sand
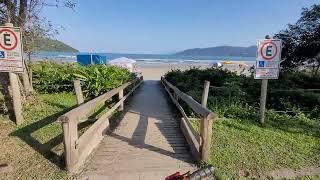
[[154, 71]]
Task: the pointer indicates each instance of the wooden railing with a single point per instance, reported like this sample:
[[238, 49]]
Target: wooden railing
[[77, 148], [199, 143]]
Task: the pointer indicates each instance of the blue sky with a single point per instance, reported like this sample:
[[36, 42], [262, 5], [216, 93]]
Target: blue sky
[[163, 26]]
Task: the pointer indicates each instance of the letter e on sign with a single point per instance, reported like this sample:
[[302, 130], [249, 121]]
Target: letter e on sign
[[8, 39], [268, 50]]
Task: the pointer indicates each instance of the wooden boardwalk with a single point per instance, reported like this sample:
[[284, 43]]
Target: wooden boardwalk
[[147, 144]]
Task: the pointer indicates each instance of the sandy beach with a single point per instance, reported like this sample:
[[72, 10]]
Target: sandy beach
[[154, 71]]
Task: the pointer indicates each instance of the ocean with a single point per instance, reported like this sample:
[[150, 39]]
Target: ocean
[[143, 58]]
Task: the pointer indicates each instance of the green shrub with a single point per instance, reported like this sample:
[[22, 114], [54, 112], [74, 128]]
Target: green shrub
[[235, 110], [95, 80], [98, 79], [233, 95], [53, 77]]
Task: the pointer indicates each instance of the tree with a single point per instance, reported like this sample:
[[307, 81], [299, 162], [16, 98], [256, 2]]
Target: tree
[[26, 14], [302, 41]]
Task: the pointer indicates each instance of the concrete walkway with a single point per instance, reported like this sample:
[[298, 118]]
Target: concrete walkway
[[147, 144]]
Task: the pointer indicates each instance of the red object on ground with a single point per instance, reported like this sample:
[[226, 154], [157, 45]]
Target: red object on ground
[[175, 176]]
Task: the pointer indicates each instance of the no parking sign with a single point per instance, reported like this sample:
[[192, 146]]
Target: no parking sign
[[10, 50], [268, 59]]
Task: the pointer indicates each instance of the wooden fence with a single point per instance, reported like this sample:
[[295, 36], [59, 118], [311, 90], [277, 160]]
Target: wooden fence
[[78, 148], [199, 143]]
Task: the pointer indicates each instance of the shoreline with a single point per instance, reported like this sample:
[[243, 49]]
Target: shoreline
[[153, 70]]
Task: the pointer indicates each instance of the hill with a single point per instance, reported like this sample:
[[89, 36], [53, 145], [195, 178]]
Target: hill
[[47, 44], [221, 51]]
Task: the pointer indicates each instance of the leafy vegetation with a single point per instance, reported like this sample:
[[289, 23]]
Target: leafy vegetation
[[99, 79], [95, 79], [53, 77], [301, 40], [231, 90], [241, 146]]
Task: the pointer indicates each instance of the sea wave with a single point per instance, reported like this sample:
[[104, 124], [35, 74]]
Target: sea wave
[[176, 60], [67, 56]]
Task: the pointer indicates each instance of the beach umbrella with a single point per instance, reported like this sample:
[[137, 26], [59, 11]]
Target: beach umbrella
[[124, 63], [122, 60]]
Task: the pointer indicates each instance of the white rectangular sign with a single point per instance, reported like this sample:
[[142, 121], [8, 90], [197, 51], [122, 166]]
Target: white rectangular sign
[[11, 53], [268, 59], [267, 73]]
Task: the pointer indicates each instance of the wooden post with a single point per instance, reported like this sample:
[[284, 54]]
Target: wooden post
[[205, 93], [263, 98], [77, 89], [121, 107], [16, 98], [206, 136], [70, 135], [205, 126], [264, 87], [204, 100]]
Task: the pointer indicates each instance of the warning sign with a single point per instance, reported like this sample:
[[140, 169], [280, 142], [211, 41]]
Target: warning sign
[[10, 50], [268, 59], [267, 73]]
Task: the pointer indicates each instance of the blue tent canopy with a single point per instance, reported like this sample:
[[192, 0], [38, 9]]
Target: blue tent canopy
[[89, 59]]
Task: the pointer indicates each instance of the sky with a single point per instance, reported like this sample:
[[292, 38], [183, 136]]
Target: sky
[[166, 26]]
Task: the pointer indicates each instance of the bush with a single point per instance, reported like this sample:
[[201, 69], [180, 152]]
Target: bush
[[53, 77], [95, 80], [98, 79], [233, 96]]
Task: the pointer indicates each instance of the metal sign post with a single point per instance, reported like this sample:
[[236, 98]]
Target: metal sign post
[[267, 67]]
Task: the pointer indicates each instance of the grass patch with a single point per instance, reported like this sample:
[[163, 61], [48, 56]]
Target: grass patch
[[33, 150], [241, 147], [244, 147]]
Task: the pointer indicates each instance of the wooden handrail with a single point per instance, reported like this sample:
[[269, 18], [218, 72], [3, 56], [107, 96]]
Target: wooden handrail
[[78, 148], [199, 148], [84, 109], [193, 104]]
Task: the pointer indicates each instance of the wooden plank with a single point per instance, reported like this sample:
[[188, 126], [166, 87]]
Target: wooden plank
[[194, 132], [70, 135], [77, 89], [77, 149], [90, 139], [120, 95], [198, 108], [206, 139], [110, 111], [205, 93], [206, 122], [193, 143], [83, 110], [204, 100], [86, 143]]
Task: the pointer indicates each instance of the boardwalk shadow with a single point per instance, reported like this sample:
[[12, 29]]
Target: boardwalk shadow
[[45, 149], [151, 105], [52, 149]]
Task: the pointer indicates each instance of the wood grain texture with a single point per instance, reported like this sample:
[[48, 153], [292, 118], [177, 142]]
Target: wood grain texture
[[147, 144]]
